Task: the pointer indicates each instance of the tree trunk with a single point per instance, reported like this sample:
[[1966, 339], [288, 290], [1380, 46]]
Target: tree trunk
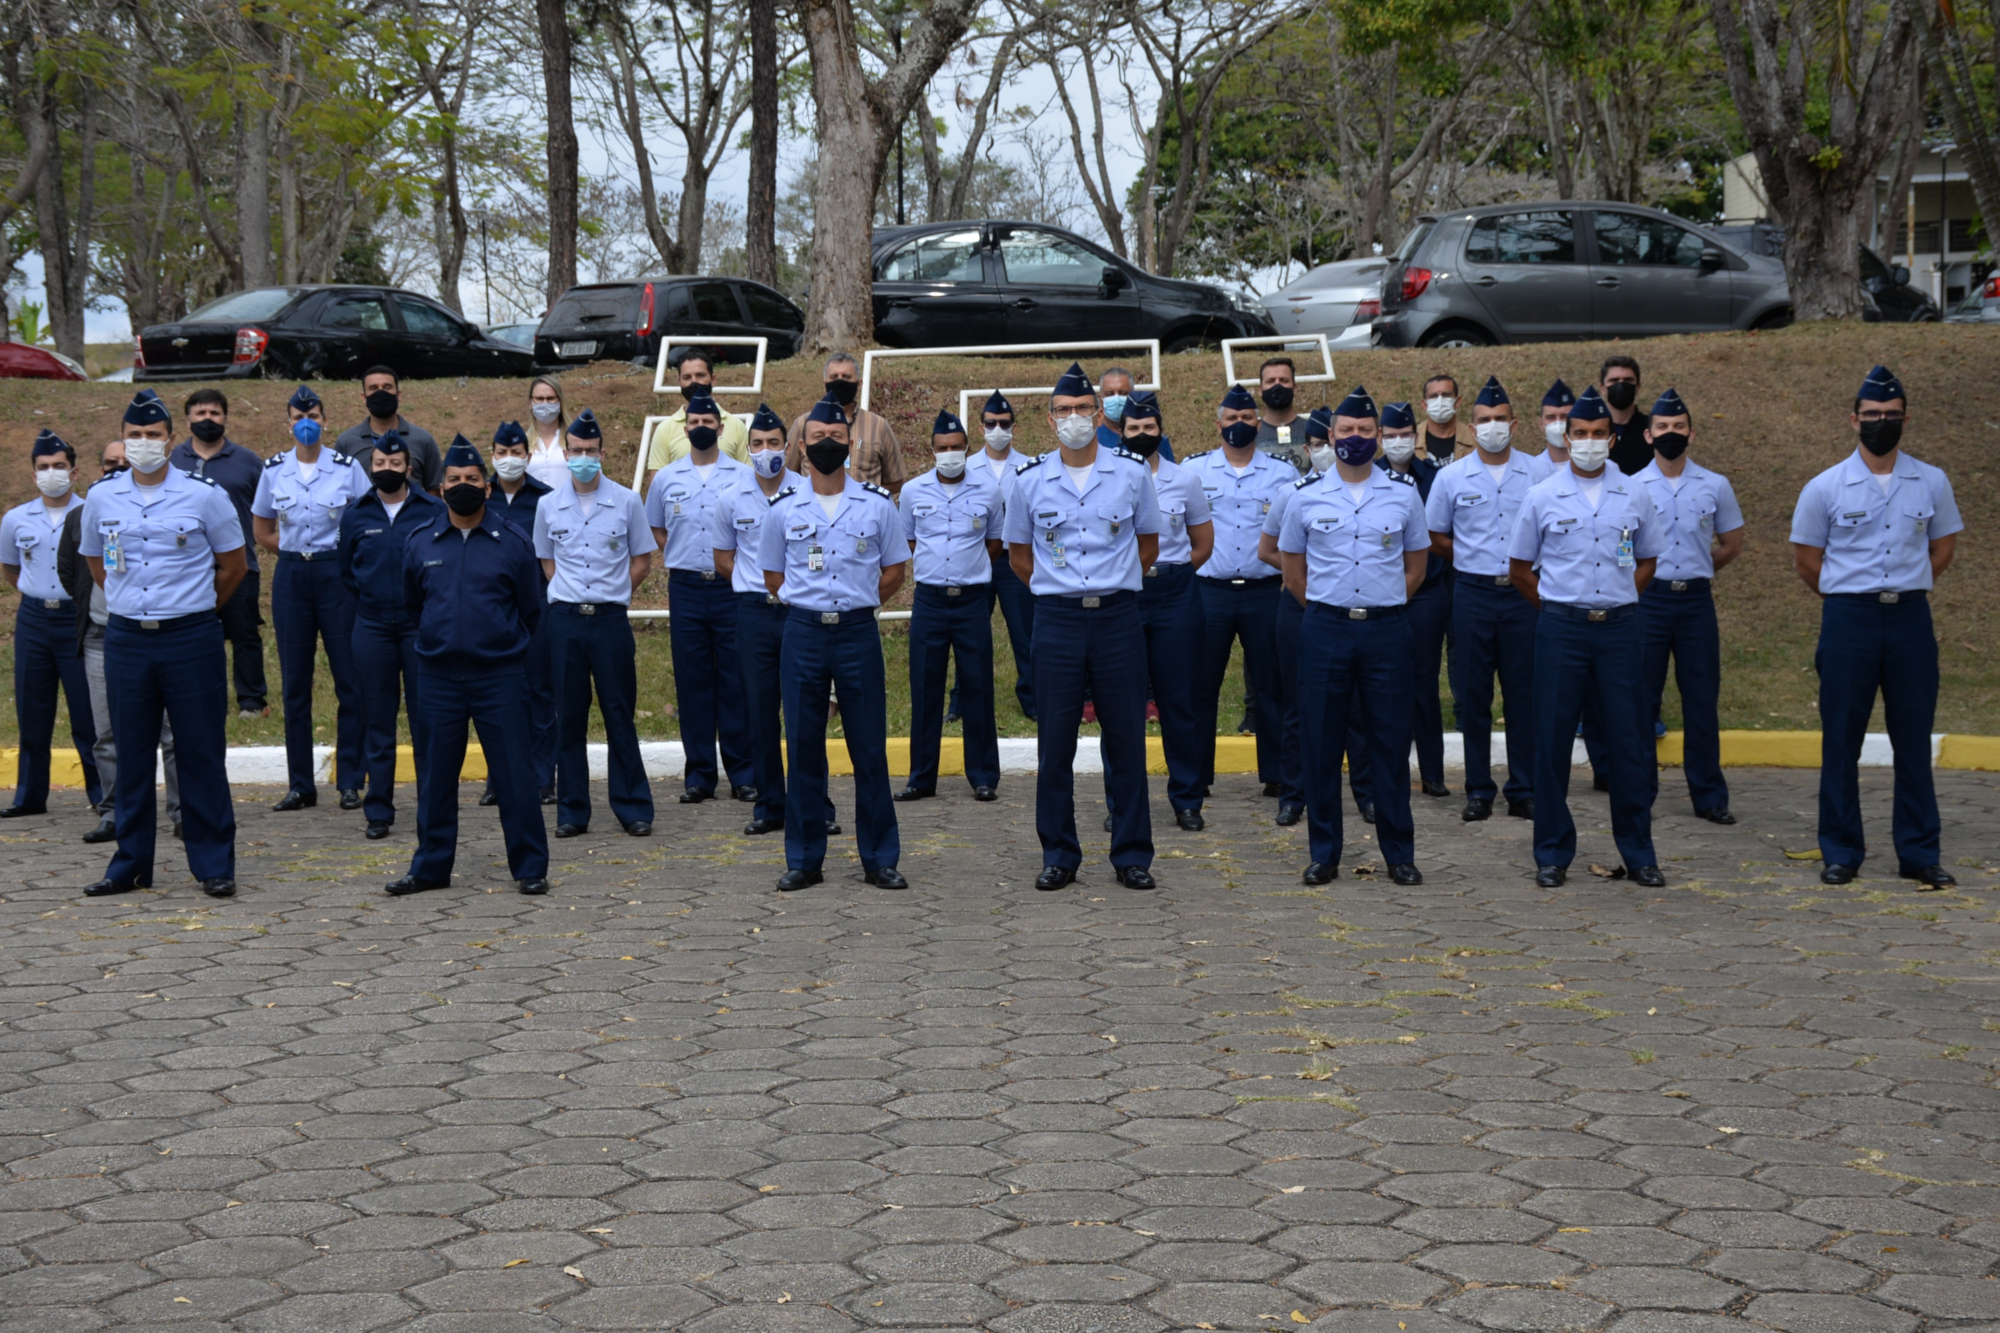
[[1953, 79], [933, 165], [968, 157], [693, 211], [553, 20], [253, 198], [760, 222]]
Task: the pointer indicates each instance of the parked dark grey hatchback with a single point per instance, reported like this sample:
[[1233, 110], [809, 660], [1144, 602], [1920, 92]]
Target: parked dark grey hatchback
[[1570, 270]]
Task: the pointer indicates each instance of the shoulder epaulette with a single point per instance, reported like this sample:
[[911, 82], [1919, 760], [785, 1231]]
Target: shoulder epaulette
[[785, 494], [273, 460], [882, 491], [1307, 480], [1127, 453], [339, 457], [1402, 477], [1027, 463]]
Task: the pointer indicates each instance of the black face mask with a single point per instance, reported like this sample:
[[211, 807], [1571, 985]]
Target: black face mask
[[1278, 397], [382, 404], [208, 430], [1144, 443], [388, 479], [1879, 437], [1621, 394], [843, 391], [702, 438], [1670, 444], [827, 456], [113, 470], [466, 498]]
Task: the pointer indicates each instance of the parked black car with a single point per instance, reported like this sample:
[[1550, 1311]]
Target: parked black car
[[970, 284], [1896, 300], [322, 332], [624, 321]]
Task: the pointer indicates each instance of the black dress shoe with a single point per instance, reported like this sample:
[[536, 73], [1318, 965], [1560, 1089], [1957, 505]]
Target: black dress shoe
[[955, 716], [1289, 815], [571, 830], [1649, 876], [219, 887], [887, 877], [758, 827], [1719, 815], [179, 832], [409, 884], [548, 796], [1436, 789], [1190, 820], [794, 880], [913, 794], [985, 794], [1600, 783], [1523, 808], [737, 793], [488, 797], [1836, 873], [297, 800], [378, 829], [106, 830], [1476, 810], [696, 797], [16, 811], [1053, 878], [1367, 813], [1270, 789], [1321, 872], [350, 799], [1551, 877], [533, 887], [639, 828], [1406, 874], [832, 830], [1931, 877], [105, 888], [1107, 823], [1136, 877]]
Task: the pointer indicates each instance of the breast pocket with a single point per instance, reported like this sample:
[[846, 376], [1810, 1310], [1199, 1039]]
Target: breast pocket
[[28, 542], [1853, 518], [1050, 522], [801, 530], [1705, 518], [1174, 515], [974, 519], [286, 504], [1561, 537], [1917, 522], [1112, 520], [1326, 525]]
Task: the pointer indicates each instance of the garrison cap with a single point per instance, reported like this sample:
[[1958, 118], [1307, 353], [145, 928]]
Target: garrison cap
[[997, 405], [700, 404], [585, 426], [48, 442], [392, 443], [1589, 407], [766, 419], [1143, 405], [947, 423], [1669, 404], [1356, 404], [461, 453], [1398, 416], [1074, 383], [1319, 425], [1559, 395], [1492, 395], [827, 411], [1238, 398], [510, 432], [303, 399], [1880, 386], [146, 409]]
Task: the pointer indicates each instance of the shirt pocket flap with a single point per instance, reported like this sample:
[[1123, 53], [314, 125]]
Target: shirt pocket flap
[[800, 530], [1113, 513], [1050, 518], [1853, 518], [1324, 523], [1466, 499], [1920, 511]]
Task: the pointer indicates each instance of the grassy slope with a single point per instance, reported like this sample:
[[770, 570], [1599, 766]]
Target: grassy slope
[[1770, 411]]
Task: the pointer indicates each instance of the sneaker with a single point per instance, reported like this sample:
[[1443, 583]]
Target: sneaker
[[1659, 731]]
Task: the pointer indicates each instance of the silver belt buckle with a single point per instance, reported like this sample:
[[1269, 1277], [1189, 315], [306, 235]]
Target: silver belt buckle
[[149, 624], [1152, 571], [829, 617], [1357, 613], [1092, 603], [1501, 580], [585, 609], [1889, 598], [771, 599], [1678, 585], [708, 575], [1237, 583], [953, 592], [1597, 615], [52, 603]]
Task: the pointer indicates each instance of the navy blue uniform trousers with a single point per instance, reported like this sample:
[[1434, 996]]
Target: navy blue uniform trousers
[[45, 660], [1170, 616], [943, 627], [309, 606], [1348, 669], [492, 703], [1866, 645], [1101, 650], [1290, 622], [385, 656], [1246, 611], [542, 707], [586, 650], [179, 671], [707, 686], [760, 638], [1017, 611], [815, 659], [1493, 629], [243, 628], [1430, 614], [1574, 653], [1683, 624]]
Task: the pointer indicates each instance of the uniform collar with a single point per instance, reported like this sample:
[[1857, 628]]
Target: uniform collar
[[1854, 471], [1651, 472], [229, 447], [416, 496], [490, 523], [685, 463], [568, 497], [529, 483], [1612, 478], [965, 479]]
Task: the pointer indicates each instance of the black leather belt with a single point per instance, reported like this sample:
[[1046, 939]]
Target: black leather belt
[[306, 557], [172, 622], [1593, 614], [1360, 612], [1680, 585], [1099, 602], [1885, 598], [51, 603], [588, 608], [853, 617]]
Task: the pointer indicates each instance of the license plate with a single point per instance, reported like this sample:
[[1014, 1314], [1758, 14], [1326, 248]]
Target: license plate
[[577, 349]]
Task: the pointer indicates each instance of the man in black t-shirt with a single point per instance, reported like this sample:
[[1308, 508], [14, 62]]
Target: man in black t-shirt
[[1618, 382]]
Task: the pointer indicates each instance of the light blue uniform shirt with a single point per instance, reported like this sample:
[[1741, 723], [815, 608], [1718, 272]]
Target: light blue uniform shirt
[[833, 563], [159, 550], [1085, 543], [1274, 522], [1542, 466], [1354, 549], [1875, 540], [1475, 513], [683, 505], [593, 549], [1238, 505], [950, 526], [29, 535], [737, 524], [1587, 556], [1692, 516], [308, 510], [1183, 505]]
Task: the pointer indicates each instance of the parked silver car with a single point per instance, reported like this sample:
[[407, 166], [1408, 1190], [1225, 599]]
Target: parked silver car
[[1570, 270], [1340, 300], [1980, 306]]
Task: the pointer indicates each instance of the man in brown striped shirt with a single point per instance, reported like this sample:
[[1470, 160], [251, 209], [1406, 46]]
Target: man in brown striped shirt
[[874, 456]]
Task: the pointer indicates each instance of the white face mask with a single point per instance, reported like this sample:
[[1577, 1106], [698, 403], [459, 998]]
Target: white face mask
[[1440, 409], [768, 462], [545, 412], [1552, 431], [1076, 431], [951, 464], [510, 467], [1589, 455], [1493, 436], [52, 482], [1323, 457], [1399, 448], [146, 455], [999, 439]]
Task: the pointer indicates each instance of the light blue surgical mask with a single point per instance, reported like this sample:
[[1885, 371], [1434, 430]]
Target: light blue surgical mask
[[1114, 406], [768, 462], [585, 468], [306, 431]]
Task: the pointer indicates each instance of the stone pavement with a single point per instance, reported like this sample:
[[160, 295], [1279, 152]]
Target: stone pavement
[[666, 1097]]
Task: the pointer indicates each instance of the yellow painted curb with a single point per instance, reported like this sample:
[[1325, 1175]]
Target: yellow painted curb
[[1770, 749], [1980, 752]]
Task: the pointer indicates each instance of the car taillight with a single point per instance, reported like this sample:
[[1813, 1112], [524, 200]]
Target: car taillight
[[250, 345], [1415, 280], [1992, 292], [138, 354], [1366, 311], [646, 310]]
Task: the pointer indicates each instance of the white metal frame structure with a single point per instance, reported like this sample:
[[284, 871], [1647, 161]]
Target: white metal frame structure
[[1151, 346], [756, 384], [1229, 346], [646, 445]]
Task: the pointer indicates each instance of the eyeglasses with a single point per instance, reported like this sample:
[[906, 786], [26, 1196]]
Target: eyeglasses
[[1881, 416], [1061, 412]]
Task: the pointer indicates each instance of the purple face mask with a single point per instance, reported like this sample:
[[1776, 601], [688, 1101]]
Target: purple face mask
[[1354, 450]]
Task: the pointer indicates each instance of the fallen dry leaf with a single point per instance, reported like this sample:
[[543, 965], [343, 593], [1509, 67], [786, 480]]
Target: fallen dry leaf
[[1298, 1318], [1812, 855], [1293, 1189], [765, 1189], [573, 1271], [785, 1298], [514, 1263], [1568, 1230], [1603, 872]]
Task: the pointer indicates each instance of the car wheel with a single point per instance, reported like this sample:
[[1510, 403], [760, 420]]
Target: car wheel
[[1458, 335], [1189, 342], [1777, 320]]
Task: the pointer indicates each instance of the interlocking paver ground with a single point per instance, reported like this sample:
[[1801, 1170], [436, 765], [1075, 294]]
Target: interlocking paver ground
[[666, 1096]]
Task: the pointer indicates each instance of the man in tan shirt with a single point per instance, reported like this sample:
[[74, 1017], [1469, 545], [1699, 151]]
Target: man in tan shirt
[[874, 456], [670, 442], [1445, 424]]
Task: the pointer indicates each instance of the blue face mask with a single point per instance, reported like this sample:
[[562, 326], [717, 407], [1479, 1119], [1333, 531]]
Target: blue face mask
[[1114, 406], [1240, 434], [586, 468], [769, 462], [306, 431]]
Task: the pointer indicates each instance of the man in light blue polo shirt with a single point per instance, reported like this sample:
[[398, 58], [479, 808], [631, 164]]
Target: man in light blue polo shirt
[[1870, 536]]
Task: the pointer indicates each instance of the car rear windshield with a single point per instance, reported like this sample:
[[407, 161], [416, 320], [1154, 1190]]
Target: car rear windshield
[[263, 303], [593, 307], [1415, 240]]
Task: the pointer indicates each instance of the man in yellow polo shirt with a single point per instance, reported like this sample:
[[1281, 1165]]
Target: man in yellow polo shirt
[[670, 441]]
